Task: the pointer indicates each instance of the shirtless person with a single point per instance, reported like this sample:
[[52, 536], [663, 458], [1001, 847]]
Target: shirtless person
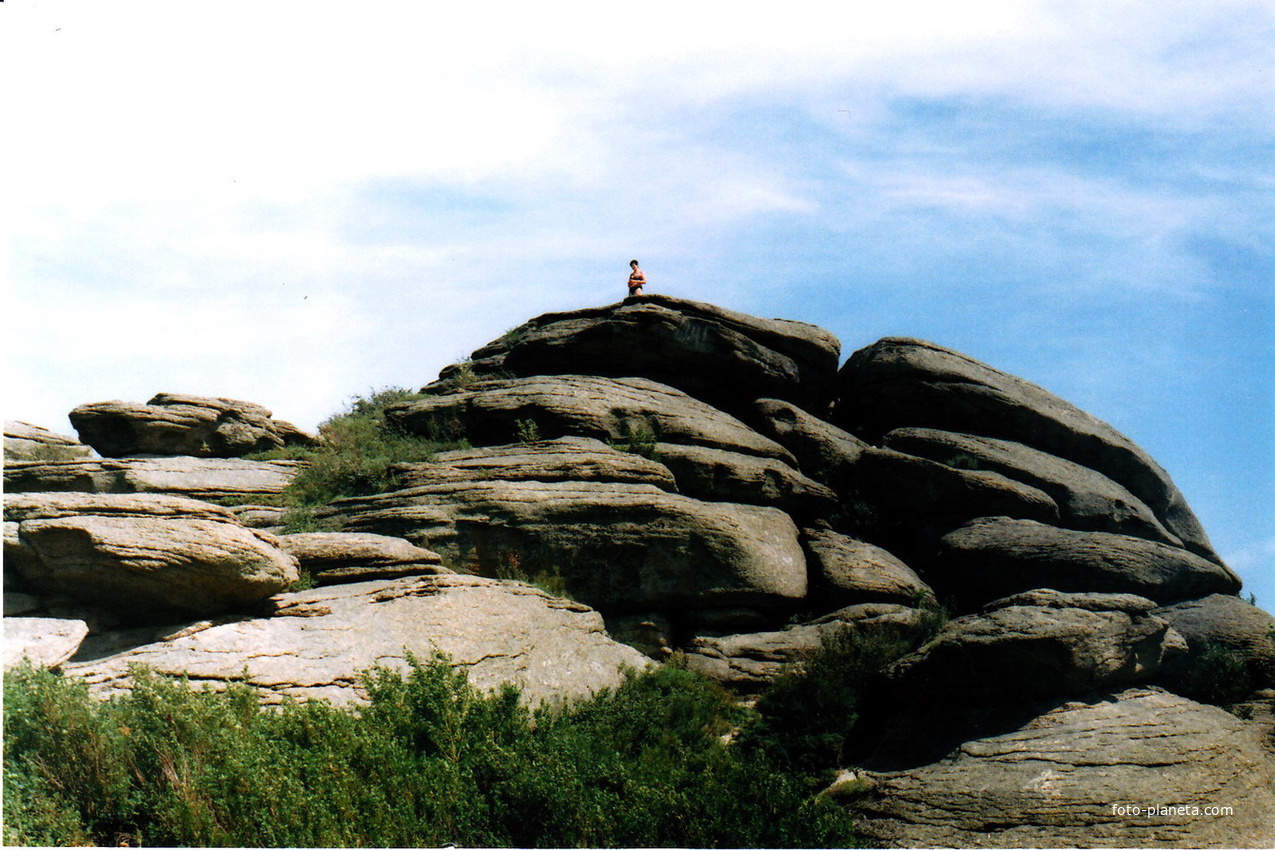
[[636, 279]]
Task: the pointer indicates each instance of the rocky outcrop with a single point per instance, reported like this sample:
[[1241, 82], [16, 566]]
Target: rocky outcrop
[[196, 478], [195, 426], [1138, 768], [1040, 644], [42, 641], [749, 661], [1086, 500], [724, 358], [614, 545], [491, 413], [1227, 623], [143, 553], [823, 451], [847, 571], [563, 459], [898, 383], [339, 558], [24, 441], [716, 475], [994, 557], [318, 642]]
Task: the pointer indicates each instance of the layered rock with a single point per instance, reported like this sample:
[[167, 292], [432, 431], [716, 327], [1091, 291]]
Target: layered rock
[[725, 358], [42, 641], [1137, 768], [1227, 623], [898, 382], [823, 451], [318, 642], [143, 553], [24, 441], [717, 475], [614, 545], [994, 557], [171, 424], [338, 558], [196, 478], [846, 571], [500, 412]]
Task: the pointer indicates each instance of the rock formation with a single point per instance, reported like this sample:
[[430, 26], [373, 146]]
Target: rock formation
[[709, 484]]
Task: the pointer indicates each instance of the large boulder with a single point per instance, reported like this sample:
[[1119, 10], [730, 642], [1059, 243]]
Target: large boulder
[[996, 556], [318, 642], [144, 553], [1138, 768], [748, 662], [500, 412], [563, 459], [196, 478], [334, 557], [614, 545], [725, 358], [848, 571], [823, 451], [24, 441], [1040, 644], [171, 424], [718, 475], [898, 382], [1087, 500], [1219, 622], [42, 641]]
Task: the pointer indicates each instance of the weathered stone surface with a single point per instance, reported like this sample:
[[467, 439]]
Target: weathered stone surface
[[1087, 500], [145, 552], [749, 661], [899, 382], [489, 413], [45, 642], [24, 441], [1226, 621], [17, 603], [197, 478], [717, 475], [1041, 644], [319, 641], [994, 557], [563, 459], [725, 358], [823, 451], [850, 570], [171, 424], [630, 546], [906, 502], [270, 518], [335, 557], [1062, 779]]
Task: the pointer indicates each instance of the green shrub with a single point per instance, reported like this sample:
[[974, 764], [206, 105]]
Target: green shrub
[[637, 436], [429, 760], [1218, 675], [528, 430]]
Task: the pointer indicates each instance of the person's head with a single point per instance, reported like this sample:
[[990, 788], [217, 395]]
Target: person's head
[[633, 263]]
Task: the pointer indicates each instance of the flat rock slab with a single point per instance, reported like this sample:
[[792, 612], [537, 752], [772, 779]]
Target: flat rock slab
[[1038, 645], [563, 459], [631, 546], [852, 571], [196, 478], [172, 424], [1087, 774], [899, 382], [24, 441], [492, 413], [725, 358], [143, 552], [43, 641], [319, 642], [994, 557], [718, 475], [335, 557]]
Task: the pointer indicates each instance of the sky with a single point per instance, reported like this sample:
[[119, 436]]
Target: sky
[[299, 203]]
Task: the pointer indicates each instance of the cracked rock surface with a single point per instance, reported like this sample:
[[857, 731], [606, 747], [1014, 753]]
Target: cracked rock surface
[[319, 641]]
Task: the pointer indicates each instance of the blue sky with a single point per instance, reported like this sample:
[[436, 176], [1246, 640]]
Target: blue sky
[[297, 203]]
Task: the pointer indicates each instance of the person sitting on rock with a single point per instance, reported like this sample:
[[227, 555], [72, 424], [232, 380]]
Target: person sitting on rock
[[636, 279]]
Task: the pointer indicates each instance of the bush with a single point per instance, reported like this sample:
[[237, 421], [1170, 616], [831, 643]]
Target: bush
[[358, 448], [429, 760], [1219, 675]]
